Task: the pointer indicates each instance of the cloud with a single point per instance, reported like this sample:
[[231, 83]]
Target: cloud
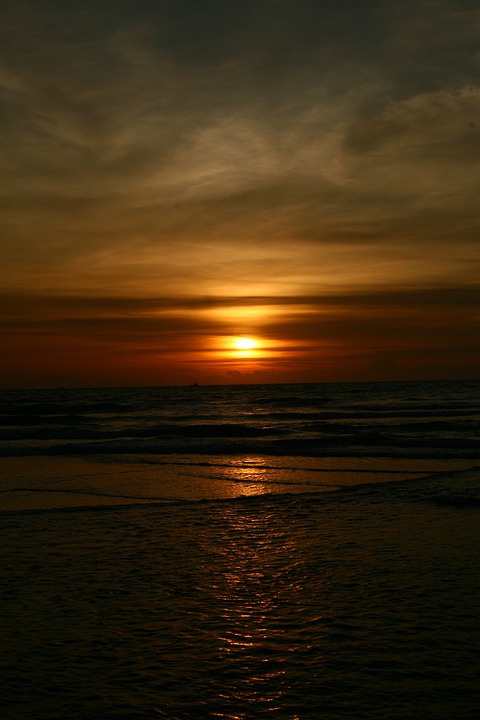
[[166, 163], [430, 131]]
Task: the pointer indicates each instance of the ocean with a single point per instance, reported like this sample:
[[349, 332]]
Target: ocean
[[295, 552]]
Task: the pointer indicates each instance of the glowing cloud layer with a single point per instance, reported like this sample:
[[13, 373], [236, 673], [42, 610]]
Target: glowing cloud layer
[[302, 173]]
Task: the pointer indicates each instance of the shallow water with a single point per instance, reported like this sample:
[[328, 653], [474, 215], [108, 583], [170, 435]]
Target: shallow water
[[358, 604], [57, 482]]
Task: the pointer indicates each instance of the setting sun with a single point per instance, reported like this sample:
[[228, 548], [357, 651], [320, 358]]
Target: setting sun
[[245, 343]]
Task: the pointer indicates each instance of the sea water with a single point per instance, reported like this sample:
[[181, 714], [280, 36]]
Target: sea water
[[141, 444], [294, 552]]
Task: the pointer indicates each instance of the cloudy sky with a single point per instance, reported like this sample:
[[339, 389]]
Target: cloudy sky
[[177, 174]]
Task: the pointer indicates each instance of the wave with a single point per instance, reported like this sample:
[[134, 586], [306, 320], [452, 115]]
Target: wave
[[389, 419], [63, 408], [360, 445]]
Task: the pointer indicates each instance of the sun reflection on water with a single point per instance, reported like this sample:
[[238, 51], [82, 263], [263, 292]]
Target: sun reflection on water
[[261, 584]]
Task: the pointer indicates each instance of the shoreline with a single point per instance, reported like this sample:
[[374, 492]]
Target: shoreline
[[68, 482]]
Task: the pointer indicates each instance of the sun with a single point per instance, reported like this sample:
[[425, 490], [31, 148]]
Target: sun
[[243, 348], [244, 343]]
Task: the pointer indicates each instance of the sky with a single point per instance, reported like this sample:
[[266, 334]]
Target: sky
[[179, 174]]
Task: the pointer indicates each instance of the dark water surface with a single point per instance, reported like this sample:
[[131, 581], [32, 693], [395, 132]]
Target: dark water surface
[[415, 419], [359, 606], [262, 595]]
